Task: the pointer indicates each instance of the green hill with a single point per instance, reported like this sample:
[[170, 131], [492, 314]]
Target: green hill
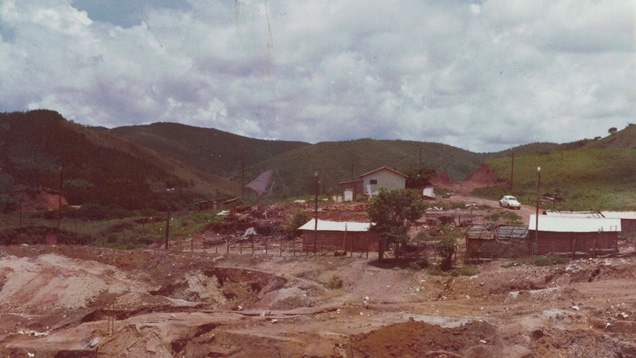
[[588, 178], [97, 167], [212, 150], [532, 148], [294, 170]]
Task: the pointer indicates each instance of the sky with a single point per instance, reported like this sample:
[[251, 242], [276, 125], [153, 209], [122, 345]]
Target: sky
[[482, 75]]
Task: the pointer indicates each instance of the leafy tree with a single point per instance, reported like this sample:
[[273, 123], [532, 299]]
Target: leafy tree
[[392, 212], [299, 219], [419, 178], [446, 249], [612, 130]]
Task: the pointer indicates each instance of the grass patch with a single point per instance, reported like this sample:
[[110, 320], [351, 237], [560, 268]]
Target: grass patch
[[580, 176], [464, 271], [508, 217], [121, 233], [436, 270], [549, 260]]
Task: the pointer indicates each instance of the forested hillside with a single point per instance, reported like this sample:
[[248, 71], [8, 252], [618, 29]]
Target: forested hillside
[[96, 168], [215, 151], [293, 172]]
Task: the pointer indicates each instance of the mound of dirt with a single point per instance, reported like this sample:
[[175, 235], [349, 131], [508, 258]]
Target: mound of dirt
[[419, 339], [43, 200], [441, 179], [483, 175]]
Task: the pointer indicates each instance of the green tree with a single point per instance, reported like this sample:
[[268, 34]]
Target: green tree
[[392, 212], [299, 219], [446, 249], [418, 178]]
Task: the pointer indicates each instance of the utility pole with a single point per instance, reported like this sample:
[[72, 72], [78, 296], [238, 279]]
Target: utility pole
[[536, 224], [168, 219], [59, 203], [512, 172], [316, 215], [351, 171], [242, 179]]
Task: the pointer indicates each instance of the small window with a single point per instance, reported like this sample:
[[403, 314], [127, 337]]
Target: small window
[[373, 182]]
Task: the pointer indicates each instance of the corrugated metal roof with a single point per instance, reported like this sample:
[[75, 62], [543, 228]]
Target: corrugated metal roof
[[619, 214], [574, 224], [325, 225], [572, 214], [497, 231]]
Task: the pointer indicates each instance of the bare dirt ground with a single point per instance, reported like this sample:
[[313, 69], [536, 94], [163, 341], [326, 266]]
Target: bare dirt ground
[[57, 301], [72, 301]]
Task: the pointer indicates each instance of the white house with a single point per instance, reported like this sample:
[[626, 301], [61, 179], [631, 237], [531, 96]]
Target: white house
[[382, 178]]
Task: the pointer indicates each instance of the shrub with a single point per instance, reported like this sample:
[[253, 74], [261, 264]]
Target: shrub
[[334, 283], [422, 236], [548, 260], [8, 204], [299, 219], [92, 212], [419, 265], [464, 271]]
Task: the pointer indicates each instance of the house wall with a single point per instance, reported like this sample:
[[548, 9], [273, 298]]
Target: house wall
[[355, 186], [628, 226], [385, 179], [338, 240], [550, 242]]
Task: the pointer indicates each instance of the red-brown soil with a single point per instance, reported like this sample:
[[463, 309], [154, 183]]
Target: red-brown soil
[[79, 301]]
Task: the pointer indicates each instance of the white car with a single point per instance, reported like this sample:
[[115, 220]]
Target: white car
[[509, 201]]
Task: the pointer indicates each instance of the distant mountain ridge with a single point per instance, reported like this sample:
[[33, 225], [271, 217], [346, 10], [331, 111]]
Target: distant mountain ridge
[[103, 164]]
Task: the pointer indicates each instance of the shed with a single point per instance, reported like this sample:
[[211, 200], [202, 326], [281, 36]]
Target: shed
[[489, 241], [575, 235], [351, 189], [338, 235], [628, 220], [207, 205]]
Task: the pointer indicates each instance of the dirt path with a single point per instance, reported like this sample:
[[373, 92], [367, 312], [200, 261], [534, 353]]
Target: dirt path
[[524, 212]]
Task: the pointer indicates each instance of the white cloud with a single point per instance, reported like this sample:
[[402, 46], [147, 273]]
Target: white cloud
[[481, 76]]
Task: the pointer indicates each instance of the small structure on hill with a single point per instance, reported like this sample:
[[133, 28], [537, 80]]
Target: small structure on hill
[[370, 183], [207, 204], [576, 236], [489, 241], [338, 235]]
